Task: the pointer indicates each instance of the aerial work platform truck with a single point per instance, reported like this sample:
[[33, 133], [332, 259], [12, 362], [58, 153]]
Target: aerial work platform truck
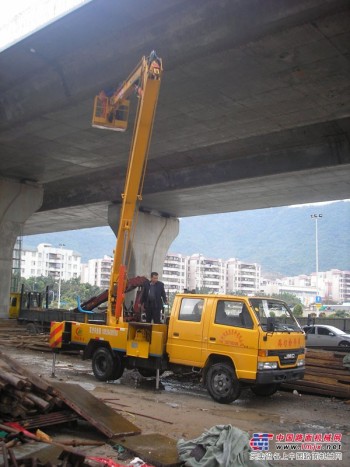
[[231, 341]]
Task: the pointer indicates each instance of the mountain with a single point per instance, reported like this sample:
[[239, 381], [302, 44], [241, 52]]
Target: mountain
[[281, 240]]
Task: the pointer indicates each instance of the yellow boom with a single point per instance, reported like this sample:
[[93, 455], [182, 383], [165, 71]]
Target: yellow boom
[[111, 112]]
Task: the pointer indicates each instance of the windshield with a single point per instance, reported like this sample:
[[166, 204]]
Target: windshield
[[275, 313]]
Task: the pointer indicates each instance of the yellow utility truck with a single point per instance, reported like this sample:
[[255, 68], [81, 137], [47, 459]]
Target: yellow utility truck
[[231, 341]]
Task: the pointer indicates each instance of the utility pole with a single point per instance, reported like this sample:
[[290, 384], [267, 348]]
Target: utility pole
[[61, 245], [316, 217]]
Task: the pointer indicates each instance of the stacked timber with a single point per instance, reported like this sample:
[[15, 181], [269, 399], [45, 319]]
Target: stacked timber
[[325, 374], [23, 395], [22, 340], [16, 335]]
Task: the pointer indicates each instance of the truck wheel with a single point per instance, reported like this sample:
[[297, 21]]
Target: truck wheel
[[105, 365], [265, 389], [222, 383], [118, 367]]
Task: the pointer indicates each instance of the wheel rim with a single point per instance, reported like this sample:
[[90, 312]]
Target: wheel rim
[[221, 383], [101, 364]]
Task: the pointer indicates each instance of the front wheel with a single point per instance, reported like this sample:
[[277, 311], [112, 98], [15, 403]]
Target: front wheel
[[222, 383], [106, 366], [265, 389], [344, 344]]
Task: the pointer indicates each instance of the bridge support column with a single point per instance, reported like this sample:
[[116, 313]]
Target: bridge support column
[[18, 201], [153, 237]]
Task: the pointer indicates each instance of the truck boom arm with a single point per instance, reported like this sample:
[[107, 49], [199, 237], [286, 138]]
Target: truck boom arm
[[145, 80]]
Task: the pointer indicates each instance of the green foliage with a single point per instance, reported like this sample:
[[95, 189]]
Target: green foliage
[[340, 314], [204, 290], [289, 298], [298, 310], [38, 284], [70, 290]]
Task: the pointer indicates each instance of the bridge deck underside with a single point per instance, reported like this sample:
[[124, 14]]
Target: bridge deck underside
[[253, 111]]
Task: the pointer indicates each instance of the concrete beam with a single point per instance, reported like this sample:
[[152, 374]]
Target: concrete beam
[[18, 201]]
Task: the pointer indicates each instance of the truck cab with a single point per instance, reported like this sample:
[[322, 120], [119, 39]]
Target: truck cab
[[236, 341]]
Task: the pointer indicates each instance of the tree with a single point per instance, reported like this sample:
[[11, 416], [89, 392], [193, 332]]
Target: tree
[[298, 310], [340, 314], [70, 290], [289, 298]]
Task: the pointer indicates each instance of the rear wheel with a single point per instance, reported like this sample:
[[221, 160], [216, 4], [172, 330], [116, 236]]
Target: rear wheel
[[222, 383], [106, 366], [265, 389]]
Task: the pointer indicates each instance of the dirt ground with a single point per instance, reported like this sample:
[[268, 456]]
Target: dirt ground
[[183, 409]]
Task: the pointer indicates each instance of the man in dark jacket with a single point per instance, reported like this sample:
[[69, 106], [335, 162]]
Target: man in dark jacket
[[153, 298]]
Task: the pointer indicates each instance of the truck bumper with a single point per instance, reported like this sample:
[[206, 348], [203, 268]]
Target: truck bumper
[[279, 376]]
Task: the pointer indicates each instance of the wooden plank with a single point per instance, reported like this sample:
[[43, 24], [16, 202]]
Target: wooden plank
[[324, 364], [330, 390], [325, 368], [338, 375], [40, 383], [313, 390], [325, 354], [102, 417]]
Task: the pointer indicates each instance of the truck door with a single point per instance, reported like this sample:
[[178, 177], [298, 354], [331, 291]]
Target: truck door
[[185, 334], [232, 332]]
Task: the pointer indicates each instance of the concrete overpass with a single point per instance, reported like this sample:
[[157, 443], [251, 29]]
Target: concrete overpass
[[254, 110]]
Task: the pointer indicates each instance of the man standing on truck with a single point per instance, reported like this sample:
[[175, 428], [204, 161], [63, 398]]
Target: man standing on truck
[[153, 299]]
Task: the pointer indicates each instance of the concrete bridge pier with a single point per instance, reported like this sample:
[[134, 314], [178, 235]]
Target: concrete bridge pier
[[18, 201], [153, 236]]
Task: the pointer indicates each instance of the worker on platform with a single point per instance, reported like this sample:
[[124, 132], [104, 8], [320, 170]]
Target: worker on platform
[[153, 299]]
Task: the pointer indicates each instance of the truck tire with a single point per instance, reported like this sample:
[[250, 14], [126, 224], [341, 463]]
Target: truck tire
[[265, 389], [222, 383], [106, 366]]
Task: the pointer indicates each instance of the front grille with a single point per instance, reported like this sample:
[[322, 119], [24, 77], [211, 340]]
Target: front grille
[[286, 357]]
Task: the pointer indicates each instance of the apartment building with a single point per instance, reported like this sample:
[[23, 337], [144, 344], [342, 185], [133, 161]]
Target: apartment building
[[47, 260], [97, 271], [206, 273], [175, 273], [195, 272], [242, 277], [301, 286], [333, 285], [181, 272]]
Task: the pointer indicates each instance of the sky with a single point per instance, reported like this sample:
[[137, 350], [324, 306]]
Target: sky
[[19, 18]]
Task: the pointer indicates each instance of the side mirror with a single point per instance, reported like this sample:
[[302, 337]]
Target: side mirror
[[270, 324]]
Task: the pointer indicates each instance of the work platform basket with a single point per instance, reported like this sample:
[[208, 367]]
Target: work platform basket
[[108, 116]]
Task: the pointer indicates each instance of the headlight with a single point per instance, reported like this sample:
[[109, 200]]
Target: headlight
[[301, 362], [267, 365]]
